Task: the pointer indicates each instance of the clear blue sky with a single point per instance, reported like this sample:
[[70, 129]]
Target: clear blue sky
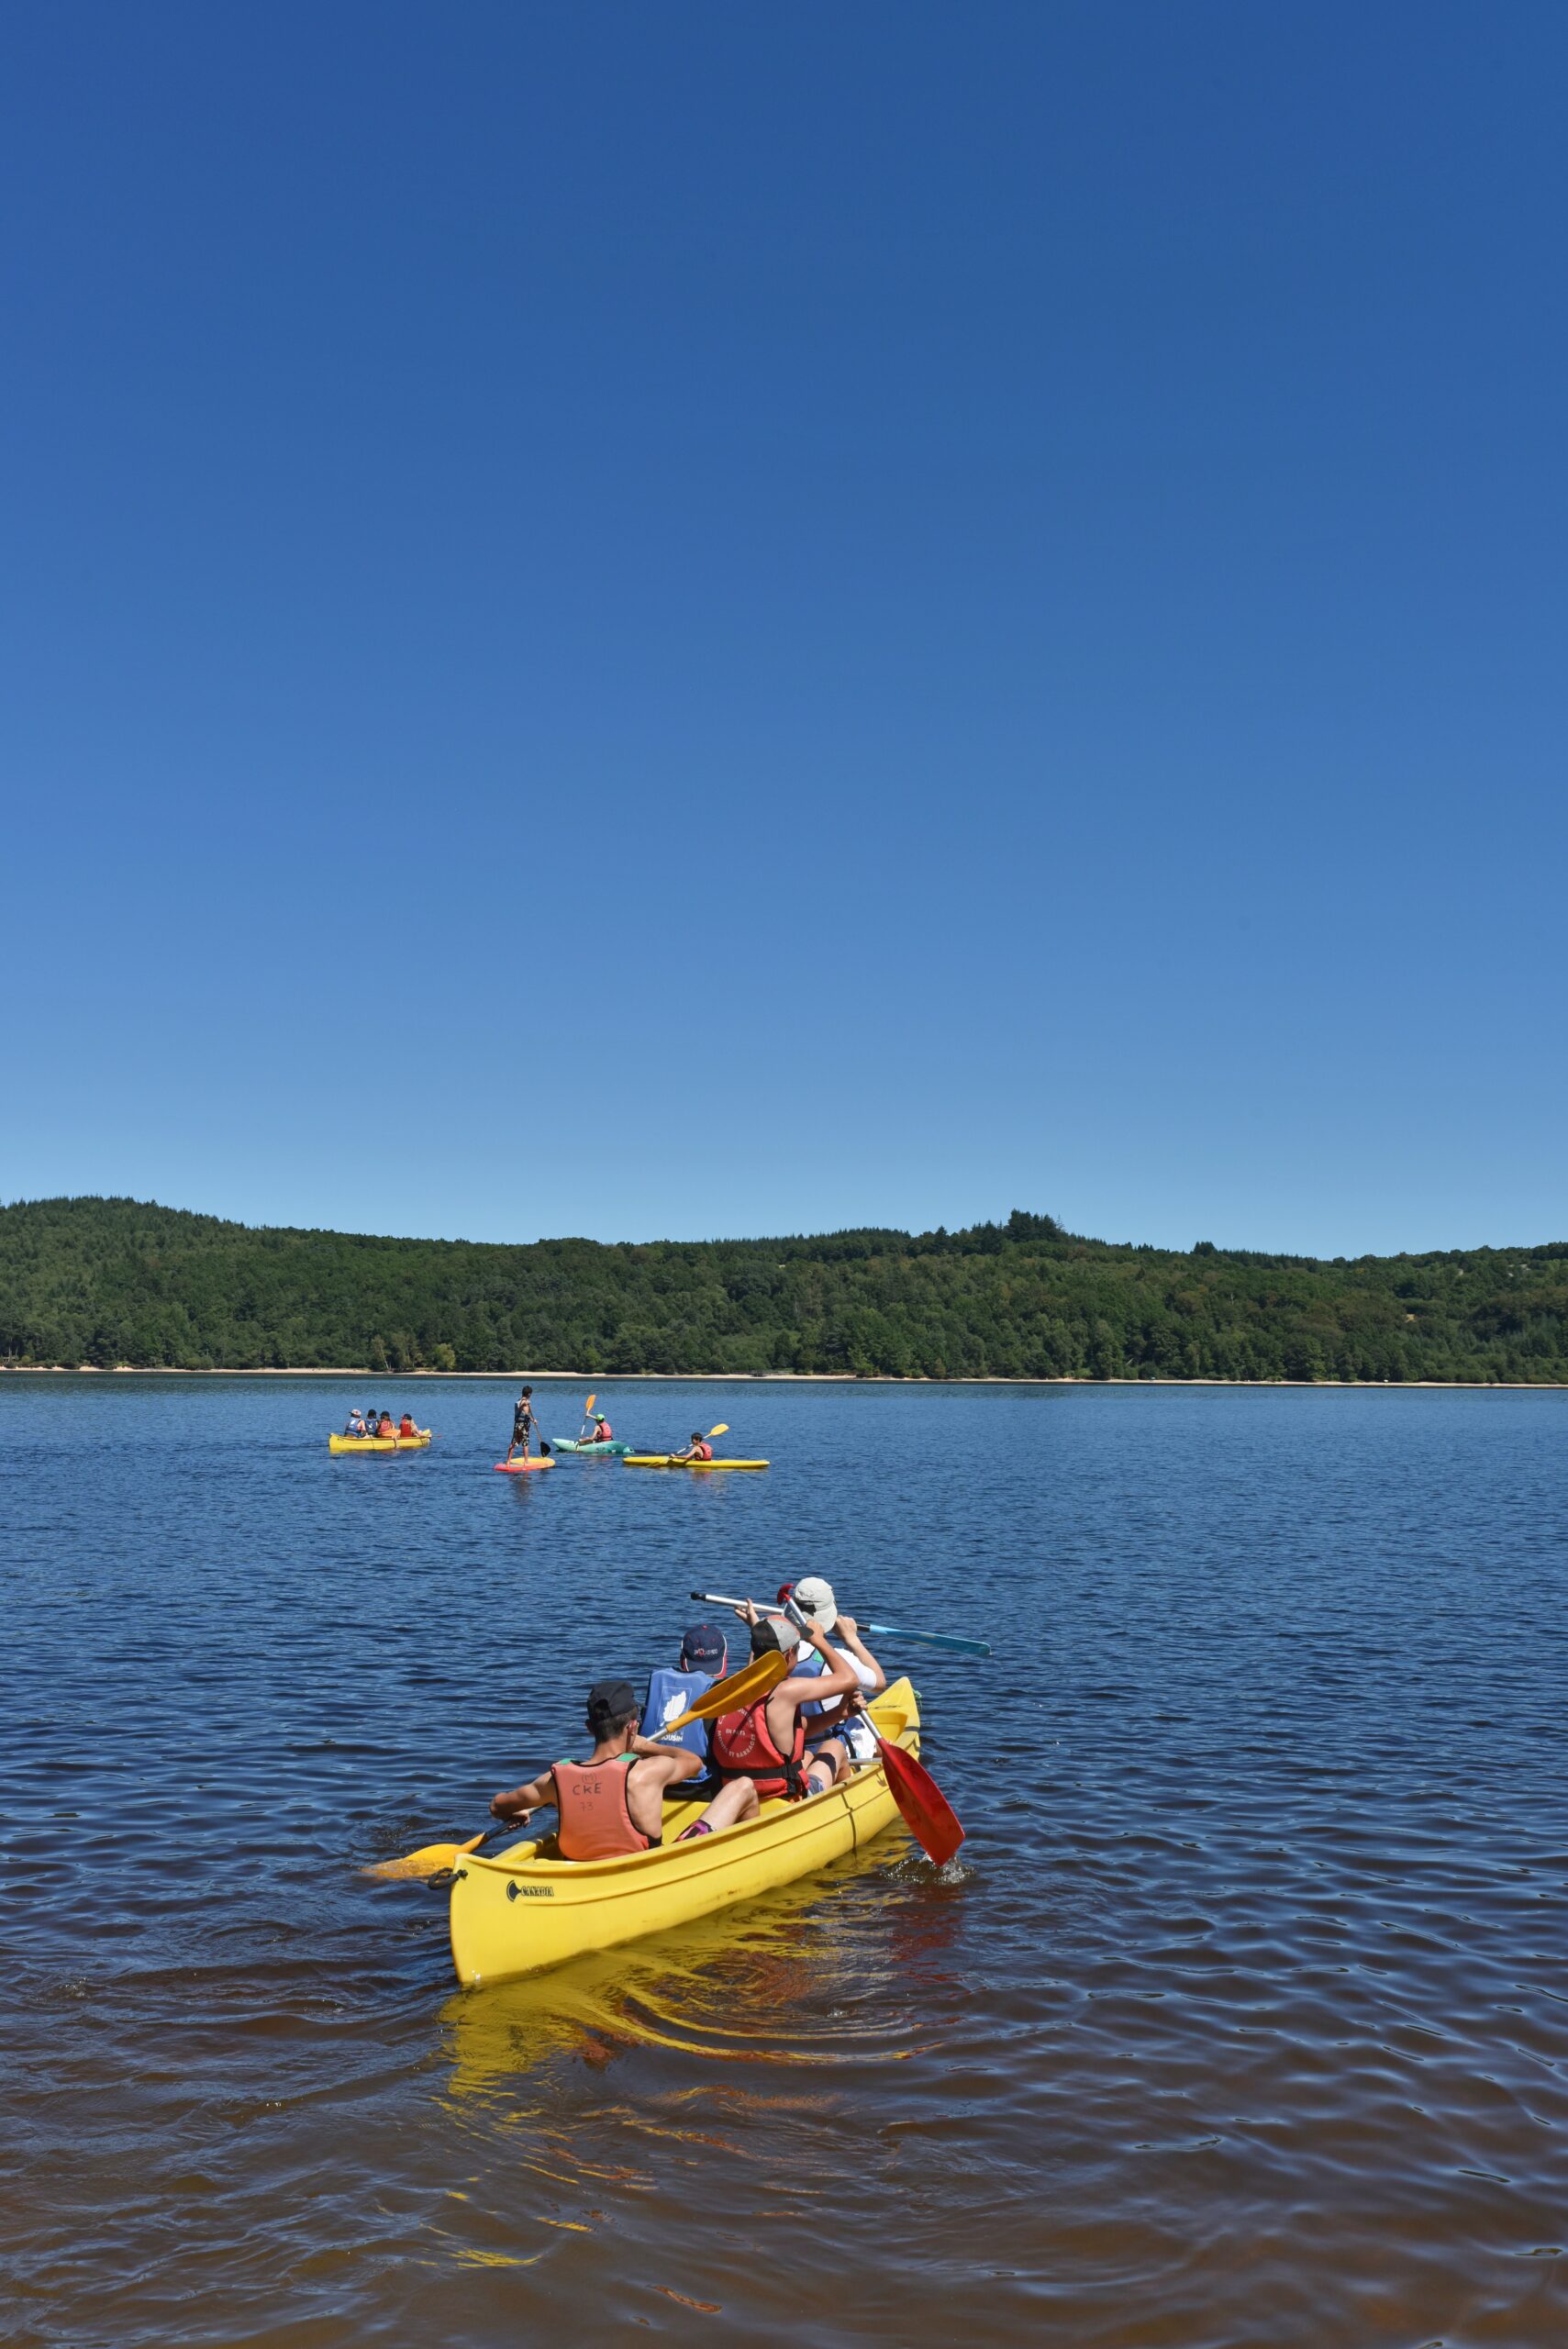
[[721, 619]]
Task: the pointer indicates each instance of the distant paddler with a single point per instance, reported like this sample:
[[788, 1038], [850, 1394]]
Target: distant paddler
[[522, 1423], [699, 1448]]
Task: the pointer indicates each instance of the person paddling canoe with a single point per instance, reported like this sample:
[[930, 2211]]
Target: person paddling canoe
[[766, 1741], [603, 1431], [814, 1597], [699, 1448], [613, 1803], [522, 1423]]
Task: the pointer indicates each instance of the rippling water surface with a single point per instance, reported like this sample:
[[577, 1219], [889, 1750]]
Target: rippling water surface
[[1241, 2020]]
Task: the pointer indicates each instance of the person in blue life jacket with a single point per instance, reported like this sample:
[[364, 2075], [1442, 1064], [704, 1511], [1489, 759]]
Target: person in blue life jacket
[[704, 1655], [356, 1426], [814, 1598]]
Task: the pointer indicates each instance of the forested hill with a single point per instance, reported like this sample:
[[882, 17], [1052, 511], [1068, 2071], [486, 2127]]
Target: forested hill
[[110, 1281]]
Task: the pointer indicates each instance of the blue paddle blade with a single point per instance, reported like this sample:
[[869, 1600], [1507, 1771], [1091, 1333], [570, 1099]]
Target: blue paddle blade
[[930, 1639]]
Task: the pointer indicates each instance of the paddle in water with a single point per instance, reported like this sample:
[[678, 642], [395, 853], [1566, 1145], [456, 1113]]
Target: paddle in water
[[925, 1811], [729, 1695]]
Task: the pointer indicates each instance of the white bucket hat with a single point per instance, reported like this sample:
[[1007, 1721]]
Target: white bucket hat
[[815, 1598]]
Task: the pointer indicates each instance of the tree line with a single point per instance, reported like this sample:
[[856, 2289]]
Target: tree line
[[114, 1281]]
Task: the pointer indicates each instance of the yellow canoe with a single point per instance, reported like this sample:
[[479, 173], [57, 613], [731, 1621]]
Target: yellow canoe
[[378, 1442], [668, 1460], [528, 1908]]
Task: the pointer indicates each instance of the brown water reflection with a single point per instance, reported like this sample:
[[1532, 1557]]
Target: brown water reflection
[[1244, 2020]]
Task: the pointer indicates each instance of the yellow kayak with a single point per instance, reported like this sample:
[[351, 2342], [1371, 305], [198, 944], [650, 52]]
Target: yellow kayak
[[379, 1443], [668, 1460], [528, 1908]]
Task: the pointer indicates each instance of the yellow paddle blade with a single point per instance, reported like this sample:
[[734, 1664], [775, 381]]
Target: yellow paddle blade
[[432, 1859], [743, 1687], [722, 1429]]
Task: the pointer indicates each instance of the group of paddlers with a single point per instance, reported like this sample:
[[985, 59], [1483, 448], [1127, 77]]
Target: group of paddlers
[[379, 1427], [524, 1427], [801, 1737]]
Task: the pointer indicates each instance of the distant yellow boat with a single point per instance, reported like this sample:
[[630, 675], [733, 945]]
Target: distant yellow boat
[[379, 1443], [668, 1460], [528, 1908]]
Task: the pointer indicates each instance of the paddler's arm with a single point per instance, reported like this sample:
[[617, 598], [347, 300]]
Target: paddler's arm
[[838, 1680], [846, 1625], [650, 1749], [521, 1801]]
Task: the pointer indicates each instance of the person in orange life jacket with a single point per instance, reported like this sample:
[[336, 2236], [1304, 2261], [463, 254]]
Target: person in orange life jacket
[[613, 1803], [406, 1425], [699, 1448], [603, 1430], [522, 1423], [814, 1597], [704, 1658], [385, 1426], [766, 1740]]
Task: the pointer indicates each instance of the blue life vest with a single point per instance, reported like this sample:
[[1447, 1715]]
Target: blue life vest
[[669, 1695]]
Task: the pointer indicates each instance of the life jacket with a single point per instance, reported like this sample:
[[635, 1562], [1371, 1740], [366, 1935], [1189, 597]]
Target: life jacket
[[406, 1426], [702, 1452], [669, 1695], [602, 1433], [595, 1821], [743, 1747]]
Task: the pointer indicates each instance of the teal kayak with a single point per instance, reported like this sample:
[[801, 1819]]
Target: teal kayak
[[614, 1450]]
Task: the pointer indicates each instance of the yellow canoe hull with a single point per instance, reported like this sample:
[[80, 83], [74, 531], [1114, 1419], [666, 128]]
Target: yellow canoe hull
[[527, 1909], [668, 1460], [379, 1443]]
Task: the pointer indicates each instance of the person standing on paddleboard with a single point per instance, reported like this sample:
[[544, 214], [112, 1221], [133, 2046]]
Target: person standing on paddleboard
[[522, 1423]]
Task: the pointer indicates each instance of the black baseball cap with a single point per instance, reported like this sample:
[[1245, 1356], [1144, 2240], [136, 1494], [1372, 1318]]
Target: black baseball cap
[[610, 1701], [704, 1648]]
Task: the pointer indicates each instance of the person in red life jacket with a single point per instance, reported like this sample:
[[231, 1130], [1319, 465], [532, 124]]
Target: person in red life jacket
[[386, 1429], [614, 1802], [603, 1431], [406, 1425], [699, 1448], [766, 1741]]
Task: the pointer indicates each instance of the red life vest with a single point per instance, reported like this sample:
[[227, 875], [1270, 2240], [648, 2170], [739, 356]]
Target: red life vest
[[595, 1821], [702, 1452], [603, 1431], [743, 1747]]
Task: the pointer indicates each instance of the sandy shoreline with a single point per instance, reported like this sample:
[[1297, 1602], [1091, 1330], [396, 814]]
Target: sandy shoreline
[[781, 1377]]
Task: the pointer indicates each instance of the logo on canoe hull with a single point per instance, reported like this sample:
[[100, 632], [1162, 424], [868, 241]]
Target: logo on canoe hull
[[531, 1891]]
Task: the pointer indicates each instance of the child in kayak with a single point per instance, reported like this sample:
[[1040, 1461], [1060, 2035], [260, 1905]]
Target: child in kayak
[[765, 1743], [614, 1802], [603, 1431], [699, 1448], [522, 1423]]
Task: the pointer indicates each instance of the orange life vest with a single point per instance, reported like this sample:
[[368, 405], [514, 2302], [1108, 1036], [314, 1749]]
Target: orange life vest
[[595, 1821], [743, 1747]]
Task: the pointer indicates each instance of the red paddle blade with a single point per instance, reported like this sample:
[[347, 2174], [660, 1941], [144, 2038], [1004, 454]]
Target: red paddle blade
[[927, 1813]]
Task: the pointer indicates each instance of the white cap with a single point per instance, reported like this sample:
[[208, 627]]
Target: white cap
[[815, 1598]]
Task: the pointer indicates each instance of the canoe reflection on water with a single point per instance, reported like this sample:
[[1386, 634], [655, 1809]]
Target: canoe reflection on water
[[828, 1971]]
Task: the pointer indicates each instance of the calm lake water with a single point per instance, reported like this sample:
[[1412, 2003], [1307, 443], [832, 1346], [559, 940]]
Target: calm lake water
[[1241, 2020]]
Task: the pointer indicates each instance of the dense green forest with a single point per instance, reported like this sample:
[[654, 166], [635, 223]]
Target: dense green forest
[[108, 1281]]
